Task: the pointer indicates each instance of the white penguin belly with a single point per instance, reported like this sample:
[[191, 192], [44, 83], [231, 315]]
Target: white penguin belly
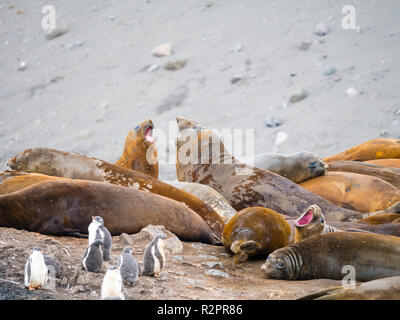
[[38, 272], [92, 232], [157, 267], [112, 287]]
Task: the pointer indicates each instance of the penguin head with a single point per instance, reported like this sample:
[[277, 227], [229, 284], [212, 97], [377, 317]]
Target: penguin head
[[39, 249], [99, 220], [160, 241], [127, 249]]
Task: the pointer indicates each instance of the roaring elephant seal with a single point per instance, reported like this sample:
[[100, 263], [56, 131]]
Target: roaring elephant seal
[[381, 148], [140, 151], [255, 231], [372, 256], [296, 167], [354, 191], [391, 175], [66, 206], [242, 185], [207, 194], [62, 164], [380, 289]]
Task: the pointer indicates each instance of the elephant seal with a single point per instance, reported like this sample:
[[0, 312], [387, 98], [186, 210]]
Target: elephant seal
[[381, 148], [380, 289], [62, 164], [66, 206], [210, 196], [389, 229], [297, 167], [394, 163], [140, 151], [390, 175], [354, 191], [382, 218], [373, 256], [310, 223], [242, 185], [255, 231]]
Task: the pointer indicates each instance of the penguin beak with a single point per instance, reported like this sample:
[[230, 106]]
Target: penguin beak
[[93, 218]]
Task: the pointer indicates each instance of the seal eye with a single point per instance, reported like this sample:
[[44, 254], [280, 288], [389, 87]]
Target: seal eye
[[280, 264], [136, 128]]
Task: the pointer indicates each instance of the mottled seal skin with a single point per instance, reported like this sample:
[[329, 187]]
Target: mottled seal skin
[[210, 196], [242, 185], [373, 256], [65, 206], [62, 164], [390, 175], [297, 167], [140, 151], [380, 289], [311, 223], [381, 148], [393, 163], [255, 231], [354, 191]]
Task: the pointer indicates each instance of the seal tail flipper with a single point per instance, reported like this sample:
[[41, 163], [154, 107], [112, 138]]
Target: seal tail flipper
[[395, 208], [322, 293]]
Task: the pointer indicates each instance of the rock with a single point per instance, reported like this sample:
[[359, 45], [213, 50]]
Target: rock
[[175, 65], [236, 79], [153, 68], [398, 112], [125, 239], [304, 45], [328, 71], [237, 47], [273, 122], [177, 258], [298, 95], [217, 273], [321, 29], [384, 134], [280, 137], [74, 45], [54, 33], [85, 134], [351, 92], [204, 256], [213, 265], [197, 245], [22, 66], [163, 50]]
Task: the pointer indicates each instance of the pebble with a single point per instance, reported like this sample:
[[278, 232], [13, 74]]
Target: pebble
[[384, 134], [74, 45], [236, 79], [54, 33], [280, 137], [217, 273], [22, 66], [212, 264], [397, 112], [321, 29], [304, 45], [85, 134], [238, 47], [178, 258], [153, 68], [175, 65], [197, 246], [298, 95], [328, 71], [163, 50], [351, 92], [273, 122]]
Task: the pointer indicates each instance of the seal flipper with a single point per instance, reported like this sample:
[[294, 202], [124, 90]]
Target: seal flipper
[[322, 293]]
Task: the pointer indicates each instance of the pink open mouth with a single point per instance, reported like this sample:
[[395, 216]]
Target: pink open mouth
[[149, 135], [305, 219]]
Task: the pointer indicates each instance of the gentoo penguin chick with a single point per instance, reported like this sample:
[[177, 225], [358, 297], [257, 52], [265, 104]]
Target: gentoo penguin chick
[[112, 287], [35, 276], [154, 257], [97, 231], [52, 265], [93, 257], [129, 266]]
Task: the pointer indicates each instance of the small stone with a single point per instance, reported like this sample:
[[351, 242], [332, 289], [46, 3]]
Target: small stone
[[74, 45], [177, 258], [175, 65], [197, 246], [351, 92], [384, 134], [298, 95], [328, 71], [153, 68], [22, 66], [163, 50], [273, 122], [103, 106], [236, 79], [217, 273], [237, 47], [304, 45], [280, 137], [112, 18], [85, 134], [212, 264], [54, 33], [398, 112], [321, 29]]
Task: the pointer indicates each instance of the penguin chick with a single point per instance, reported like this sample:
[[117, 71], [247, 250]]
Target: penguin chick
[[129, 266], [97, 231], [93, 258], [154, 257], [35, 275], [112, 287]]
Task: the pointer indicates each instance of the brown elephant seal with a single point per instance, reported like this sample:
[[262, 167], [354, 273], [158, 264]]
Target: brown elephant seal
[[310, 223], [381, 148], [242, 185], [393, 163], [255, 231], [390, 175], [380, 289], [373, 256], [389, 229], [140, 151], [354, 191], [297, 167], [382, 218], [62, 164], [66, 206], [210, 196]]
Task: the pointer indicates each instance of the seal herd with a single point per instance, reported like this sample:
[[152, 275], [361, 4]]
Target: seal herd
[[310, 218]]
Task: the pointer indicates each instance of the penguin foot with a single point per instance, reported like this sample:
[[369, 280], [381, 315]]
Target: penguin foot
[[157, 275], [31, 288]]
